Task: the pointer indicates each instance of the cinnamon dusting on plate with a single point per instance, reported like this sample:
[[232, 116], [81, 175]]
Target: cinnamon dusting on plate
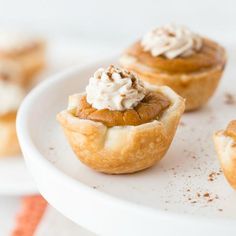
[[229, 99]]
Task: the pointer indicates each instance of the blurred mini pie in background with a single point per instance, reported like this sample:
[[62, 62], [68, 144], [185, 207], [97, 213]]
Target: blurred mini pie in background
[[172, 55], [21, 58], [225, 144], [26, 50], [120, 125], [12, 92]]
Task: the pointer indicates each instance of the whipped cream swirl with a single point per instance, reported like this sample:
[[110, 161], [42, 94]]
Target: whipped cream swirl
[[11, 96], [114, 89], [15, 41], [171, 41]]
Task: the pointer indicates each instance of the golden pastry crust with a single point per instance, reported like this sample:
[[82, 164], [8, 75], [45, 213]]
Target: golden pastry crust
[[9, 145], [225, 144], [231, 129], [147, 110], [123, 149], [195, 77], [31, 60]]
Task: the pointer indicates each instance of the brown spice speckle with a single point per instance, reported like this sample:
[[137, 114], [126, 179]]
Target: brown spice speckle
[[229, 99], [213, 175], [206, 195]]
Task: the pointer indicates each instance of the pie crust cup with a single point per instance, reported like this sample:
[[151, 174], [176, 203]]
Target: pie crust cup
[[123, 149], [196, 87], [9, 145], [31, 61], [226, 150]]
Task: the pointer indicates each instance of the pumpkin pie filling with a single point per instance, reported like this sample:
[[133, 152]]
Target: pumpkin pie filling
[[210, 55], [150, 108]]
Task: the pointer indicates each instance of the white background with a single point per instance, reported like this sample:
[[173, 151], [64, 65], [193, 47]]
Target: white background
[[117, 21]]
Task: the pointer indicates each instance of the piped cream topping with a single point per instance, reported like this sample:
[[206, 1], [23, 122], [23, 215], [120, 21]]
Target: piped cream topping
[[114, 88], [171, 41], [15, 41], [11, 96]]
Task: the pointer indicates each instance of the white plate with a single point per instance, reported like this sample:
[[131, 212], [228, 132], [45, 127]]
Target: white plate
[[166, 199], [14, 176]]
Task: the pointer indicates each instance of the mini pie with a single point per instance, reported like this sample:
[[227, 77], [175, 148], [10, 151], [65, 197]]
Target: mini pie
[[27, 52], [122, 138], [12, 92], [9, 145], [174, 56], [225, 144]]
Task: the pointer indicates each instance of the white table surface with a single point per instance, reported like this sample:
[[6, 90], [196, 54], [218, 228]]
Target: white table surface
[[10, 206]]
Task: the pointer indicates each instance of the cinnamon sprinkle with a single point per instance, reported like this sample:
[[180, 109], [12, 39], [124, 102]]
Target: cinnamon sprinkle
[[213, 175], [229, 99], [201, 198]]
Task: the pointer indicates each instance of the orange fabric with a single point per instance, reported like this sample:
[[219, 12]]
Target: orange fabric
[[33, 208]]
